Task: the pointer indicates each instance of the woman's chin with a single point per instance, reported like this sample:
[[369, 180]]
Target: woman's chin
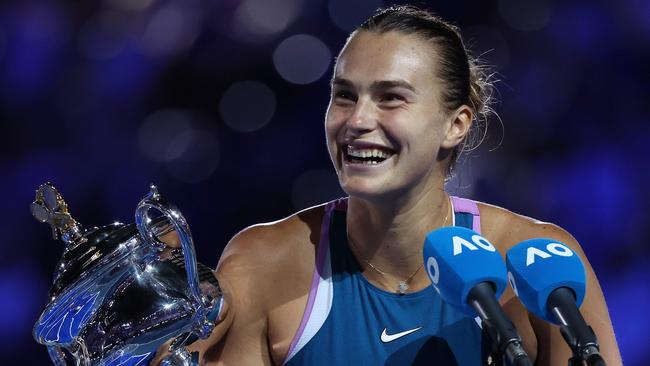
[[367, 190]]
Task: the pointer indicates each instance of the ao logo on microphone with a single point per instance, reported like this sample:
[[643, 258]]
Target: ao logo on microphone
[[458, 244], [552, 248], [434, 272], [477, 240]]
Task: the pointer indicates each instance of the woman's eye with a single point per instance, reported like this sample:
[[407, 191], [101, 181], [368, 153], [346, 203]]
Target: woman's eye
[[392, 98], [344, 96]]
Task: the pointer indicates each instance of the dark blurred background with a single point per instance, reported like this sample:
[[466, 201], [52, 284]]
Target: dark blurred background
[[221, 104]]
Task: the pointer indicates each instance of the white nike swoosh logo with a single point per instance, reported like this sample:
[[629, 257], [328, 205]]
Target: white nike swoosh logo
[[385, 337]]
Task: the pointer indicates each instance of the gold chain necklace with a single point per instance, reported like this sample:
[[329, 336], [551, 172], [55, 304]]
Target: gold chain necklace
[[403, 285]]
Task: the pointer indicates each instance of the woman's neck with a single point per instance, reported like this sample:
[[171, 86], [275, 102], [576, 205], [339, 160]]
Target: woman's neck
[[390, 234]]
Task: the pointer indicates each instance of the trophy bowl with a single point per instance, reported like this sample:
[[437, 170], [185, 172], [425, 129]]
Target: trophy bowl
[[119, 292]]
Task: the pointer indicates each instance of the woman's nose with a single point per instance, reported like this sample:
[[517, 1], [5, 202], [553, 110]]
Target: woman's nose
[[363, 117]]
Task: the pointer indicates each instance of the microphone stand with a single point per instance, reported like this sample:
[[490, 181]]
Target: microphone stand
[[502, 331], [575, 331]]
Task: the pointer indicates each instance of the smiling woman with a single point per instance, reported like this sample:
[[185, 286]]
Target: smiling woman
[[342, 282], [392, 104], [465, 80]]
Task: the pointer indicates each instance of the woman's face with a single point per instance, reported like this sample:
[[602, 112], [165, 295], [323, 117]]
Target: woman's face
[[385, 122]]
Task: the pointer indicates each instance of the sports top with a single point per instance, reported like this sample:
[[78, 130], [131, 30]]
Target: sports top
[[348, 320]]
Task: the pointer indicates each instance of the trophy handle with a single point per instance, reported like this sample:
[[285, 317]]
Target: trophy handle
[[202, 326]]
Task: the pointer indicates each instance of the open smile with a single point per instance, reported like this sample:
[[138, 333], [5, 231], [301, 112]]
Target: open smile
[[366, 154]]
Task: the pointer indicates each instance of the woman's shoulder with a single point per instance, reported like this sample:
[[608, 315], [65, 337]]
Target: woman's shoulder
[[273, 243], [506, 228]]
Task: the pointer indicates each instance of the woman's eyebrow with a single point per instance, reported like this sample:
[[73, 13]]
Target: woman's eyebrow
[[376, 85], [388, 84], [341, 82]]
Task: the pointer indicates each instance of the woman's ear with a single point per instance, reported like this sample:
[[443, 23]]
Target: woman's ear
[[460, 123]]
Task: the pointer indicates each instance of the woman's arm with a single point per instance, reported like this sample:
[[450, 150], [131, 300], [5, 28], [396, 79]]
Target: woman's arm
[[542, 340], [234, 274], [552, 348]]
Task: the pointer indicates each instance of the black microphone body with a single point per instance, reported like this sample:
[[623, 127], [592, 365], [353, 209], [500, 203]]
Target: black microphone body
[[580, 337], [503, 333]]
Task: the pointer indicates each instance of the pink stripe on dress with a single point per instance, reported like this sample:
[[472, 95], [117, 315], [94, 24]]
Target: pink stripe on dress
[[323, 247]]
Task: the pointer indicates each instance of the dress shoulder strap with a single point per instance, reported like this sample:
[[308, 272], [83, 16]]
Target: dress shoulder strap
[[466, 213]]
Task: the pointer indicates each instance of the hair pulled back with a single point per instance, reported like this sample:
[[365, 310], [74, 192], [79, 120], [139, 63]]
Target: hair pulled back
[[466, 81]]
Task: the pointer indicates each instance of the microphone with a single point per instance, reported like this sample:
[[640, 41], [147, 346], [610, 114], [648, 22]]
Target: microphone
[[549, 279], [469, 274]]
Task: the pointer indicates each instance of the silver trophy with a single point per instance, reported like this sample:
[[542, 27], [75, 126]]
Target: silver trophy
[[120, 293]]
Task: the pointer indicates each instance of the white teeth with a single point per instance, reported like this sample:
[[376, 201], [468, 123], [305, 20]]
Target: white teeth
[[367, 153]]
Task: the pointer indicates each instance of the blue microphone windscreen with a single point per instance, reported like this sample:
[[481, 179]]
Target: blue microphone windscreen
[[457, 259], [536, 267]]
